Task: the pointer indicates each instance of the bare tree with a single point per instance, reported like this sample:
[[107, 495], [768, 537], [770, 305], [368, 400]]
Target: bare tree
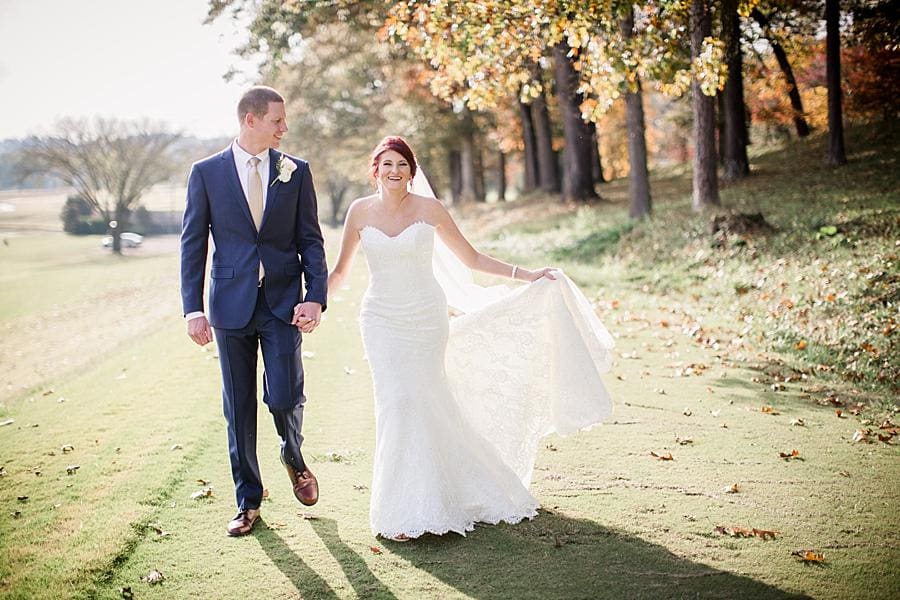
[[110, 163]]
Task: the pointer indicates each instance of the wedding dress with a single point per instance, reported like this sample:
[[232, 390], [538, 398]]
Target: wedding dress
[[460, 406]]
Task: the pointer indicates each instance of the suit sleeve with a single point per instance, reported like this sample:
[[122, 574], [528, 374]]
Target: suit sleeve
[[194, 243], [310, 244]]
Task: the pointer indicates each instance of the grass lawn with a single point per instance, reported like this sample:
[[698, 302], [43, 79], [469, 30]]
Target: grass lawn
[[116, 417]]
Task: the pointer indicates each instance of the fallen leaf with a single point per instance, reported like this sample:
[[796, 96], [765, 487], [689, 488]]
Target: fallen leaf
[[307, 516], [666, 456], [126, 593], [360, 487], [154, 577], [349, 371], [277, 525], [684, 441], [16, 514], [788, 455], [687, 413], [202, 482], [551, 447], [7, 422], [206, 492], [159, 530], [798, 422], [660, 391], [861, 435], [308, 354], [22, 498], [734, 531], [801, 345], [176, 447], [72, 469], [67, 448], [764, 533], [375, 549], [809, 556], [844, 473], [265, 495], [732, 489], [769, 410]]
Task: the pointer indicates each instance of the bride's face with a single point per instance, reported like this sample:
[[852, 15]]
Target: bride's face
[[393, 170]]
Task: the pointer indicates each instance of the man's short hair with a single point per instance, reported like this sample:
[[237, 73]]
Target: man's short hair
[[256, 100]]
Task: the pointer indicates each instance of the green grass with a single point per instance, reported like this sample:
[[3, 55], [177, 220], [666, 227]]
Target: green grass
[[143, 413]]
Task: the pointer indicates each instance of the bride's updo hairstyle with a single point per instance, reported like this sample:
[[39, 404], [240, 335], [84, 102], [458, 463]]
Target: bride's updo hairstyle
[[398, 145]]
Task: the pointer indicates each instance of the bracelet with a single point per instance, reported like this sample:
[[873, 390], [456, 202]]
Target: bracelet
[[515, 268]]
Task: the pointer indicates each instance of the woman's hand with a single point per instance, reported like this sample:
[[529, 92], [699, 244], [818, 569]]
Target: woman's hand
[[532, 276]]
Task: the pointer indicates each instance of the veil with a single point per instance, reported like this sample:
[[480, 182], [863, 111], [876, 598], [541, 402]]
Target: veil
[[463, 294]]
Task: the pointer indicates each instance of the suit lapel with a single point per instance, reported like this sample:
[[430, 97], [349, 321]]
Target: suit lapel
[[274, 183], [234, 184]]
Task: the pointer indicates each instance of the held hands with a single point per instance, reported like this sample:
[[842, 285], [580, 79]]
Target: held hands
[[307, 316], [198, 329]]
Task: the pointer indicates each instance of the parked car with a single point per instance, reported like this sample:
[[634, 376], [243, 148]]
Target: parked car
[[129, 240]]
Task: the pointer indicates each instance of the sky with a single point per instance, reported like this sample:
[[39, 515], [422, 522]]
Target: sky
[[127, 59]]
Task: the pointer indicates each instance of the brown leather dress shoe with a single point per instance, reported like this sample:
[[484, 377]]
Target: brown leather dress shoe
[[243, 523], [305, 484]]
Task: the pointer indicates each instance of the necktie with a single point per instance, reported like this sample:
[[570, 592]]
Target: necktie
[[255, 193]]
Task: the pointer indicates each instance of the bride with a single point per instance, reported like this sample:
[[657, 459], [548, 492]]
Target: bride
[[460, 407]]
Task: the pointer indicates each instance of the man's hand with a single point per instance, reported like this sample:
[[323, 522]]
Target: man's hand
[[198, 329], [307, 316]]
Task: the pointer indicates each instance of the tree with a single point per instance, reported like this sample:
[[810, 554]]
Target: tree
[[785, 65], [578, 180], [639, 179], [110, 163], [734, 143], [706, 183], [836, 153]]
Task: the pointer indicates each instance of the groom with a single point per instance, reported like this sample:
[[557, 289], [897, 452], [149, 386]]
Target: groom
[[260, 207]]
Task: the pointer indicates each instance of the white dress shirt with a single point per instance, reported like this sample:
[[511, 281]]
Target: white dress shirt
[[242, 165]]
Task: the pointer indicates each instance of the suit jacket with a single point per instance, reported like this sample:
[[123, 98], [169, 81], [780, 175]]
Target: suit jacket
[[289, 242]]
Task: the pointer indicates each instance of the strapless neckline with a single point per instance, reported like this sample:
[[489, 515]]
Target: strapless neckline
[[394, 237]]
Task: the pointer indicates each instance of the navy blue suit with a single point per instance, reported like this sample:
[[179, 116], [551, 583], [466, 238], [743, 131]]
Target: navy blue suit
[[246, 316]]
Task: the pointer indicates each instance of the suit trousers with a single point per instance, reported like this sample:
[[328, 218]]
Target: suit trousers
[[282, 394]]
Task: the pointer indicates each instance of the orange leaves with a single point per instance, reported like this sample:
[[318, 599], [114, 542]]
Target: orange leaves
[[769, 410], [801, 345], [809, 556], [746, 532], [789, 455], [666, 456]]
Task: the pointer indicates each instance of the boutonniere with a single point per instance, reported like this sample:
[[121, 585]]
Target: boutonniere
[[286, 168]]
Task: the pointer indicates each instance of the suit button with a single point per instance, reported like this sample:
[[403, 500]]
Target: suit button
[[258, 243]]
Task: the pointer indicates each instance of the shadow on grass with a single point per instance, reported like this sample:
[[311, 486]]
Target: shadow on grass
[[556, 556], [309, 584], [364, 582]]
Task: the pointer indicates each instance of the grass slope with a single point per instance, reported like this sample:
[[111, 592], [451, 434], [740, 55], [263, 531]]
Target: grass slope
[[696, 360]]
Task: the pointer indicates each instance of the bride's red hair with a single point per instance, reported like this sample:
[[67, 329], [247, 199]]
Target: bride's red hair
[[398, 145]]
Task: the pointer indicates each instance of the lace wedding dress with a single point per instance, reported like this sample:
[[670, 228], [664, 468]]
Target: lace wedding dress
[[460, 406]]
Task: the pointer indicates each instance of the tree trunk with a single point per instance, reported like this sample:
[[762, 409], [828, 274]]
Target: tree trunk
[[468, 191], [478, 157], [800, 123], [640, 203], [736, 164], [548, 173], [455, 176], [706, 184], [578, 180], [501, 176], [596, 160], [836, 154], [528, 137]]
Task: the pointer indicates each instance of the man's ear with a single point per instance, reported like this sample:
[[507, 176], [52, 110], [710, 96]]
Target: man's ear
[[249, 119]]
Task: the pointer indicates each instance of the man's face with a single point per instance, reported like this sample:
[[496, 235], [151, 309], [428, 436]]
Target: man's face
[[268, 129]]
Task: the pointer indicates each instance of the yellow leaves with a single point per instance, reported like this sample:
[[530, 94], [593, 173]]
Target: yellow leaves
[[709, 66]]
